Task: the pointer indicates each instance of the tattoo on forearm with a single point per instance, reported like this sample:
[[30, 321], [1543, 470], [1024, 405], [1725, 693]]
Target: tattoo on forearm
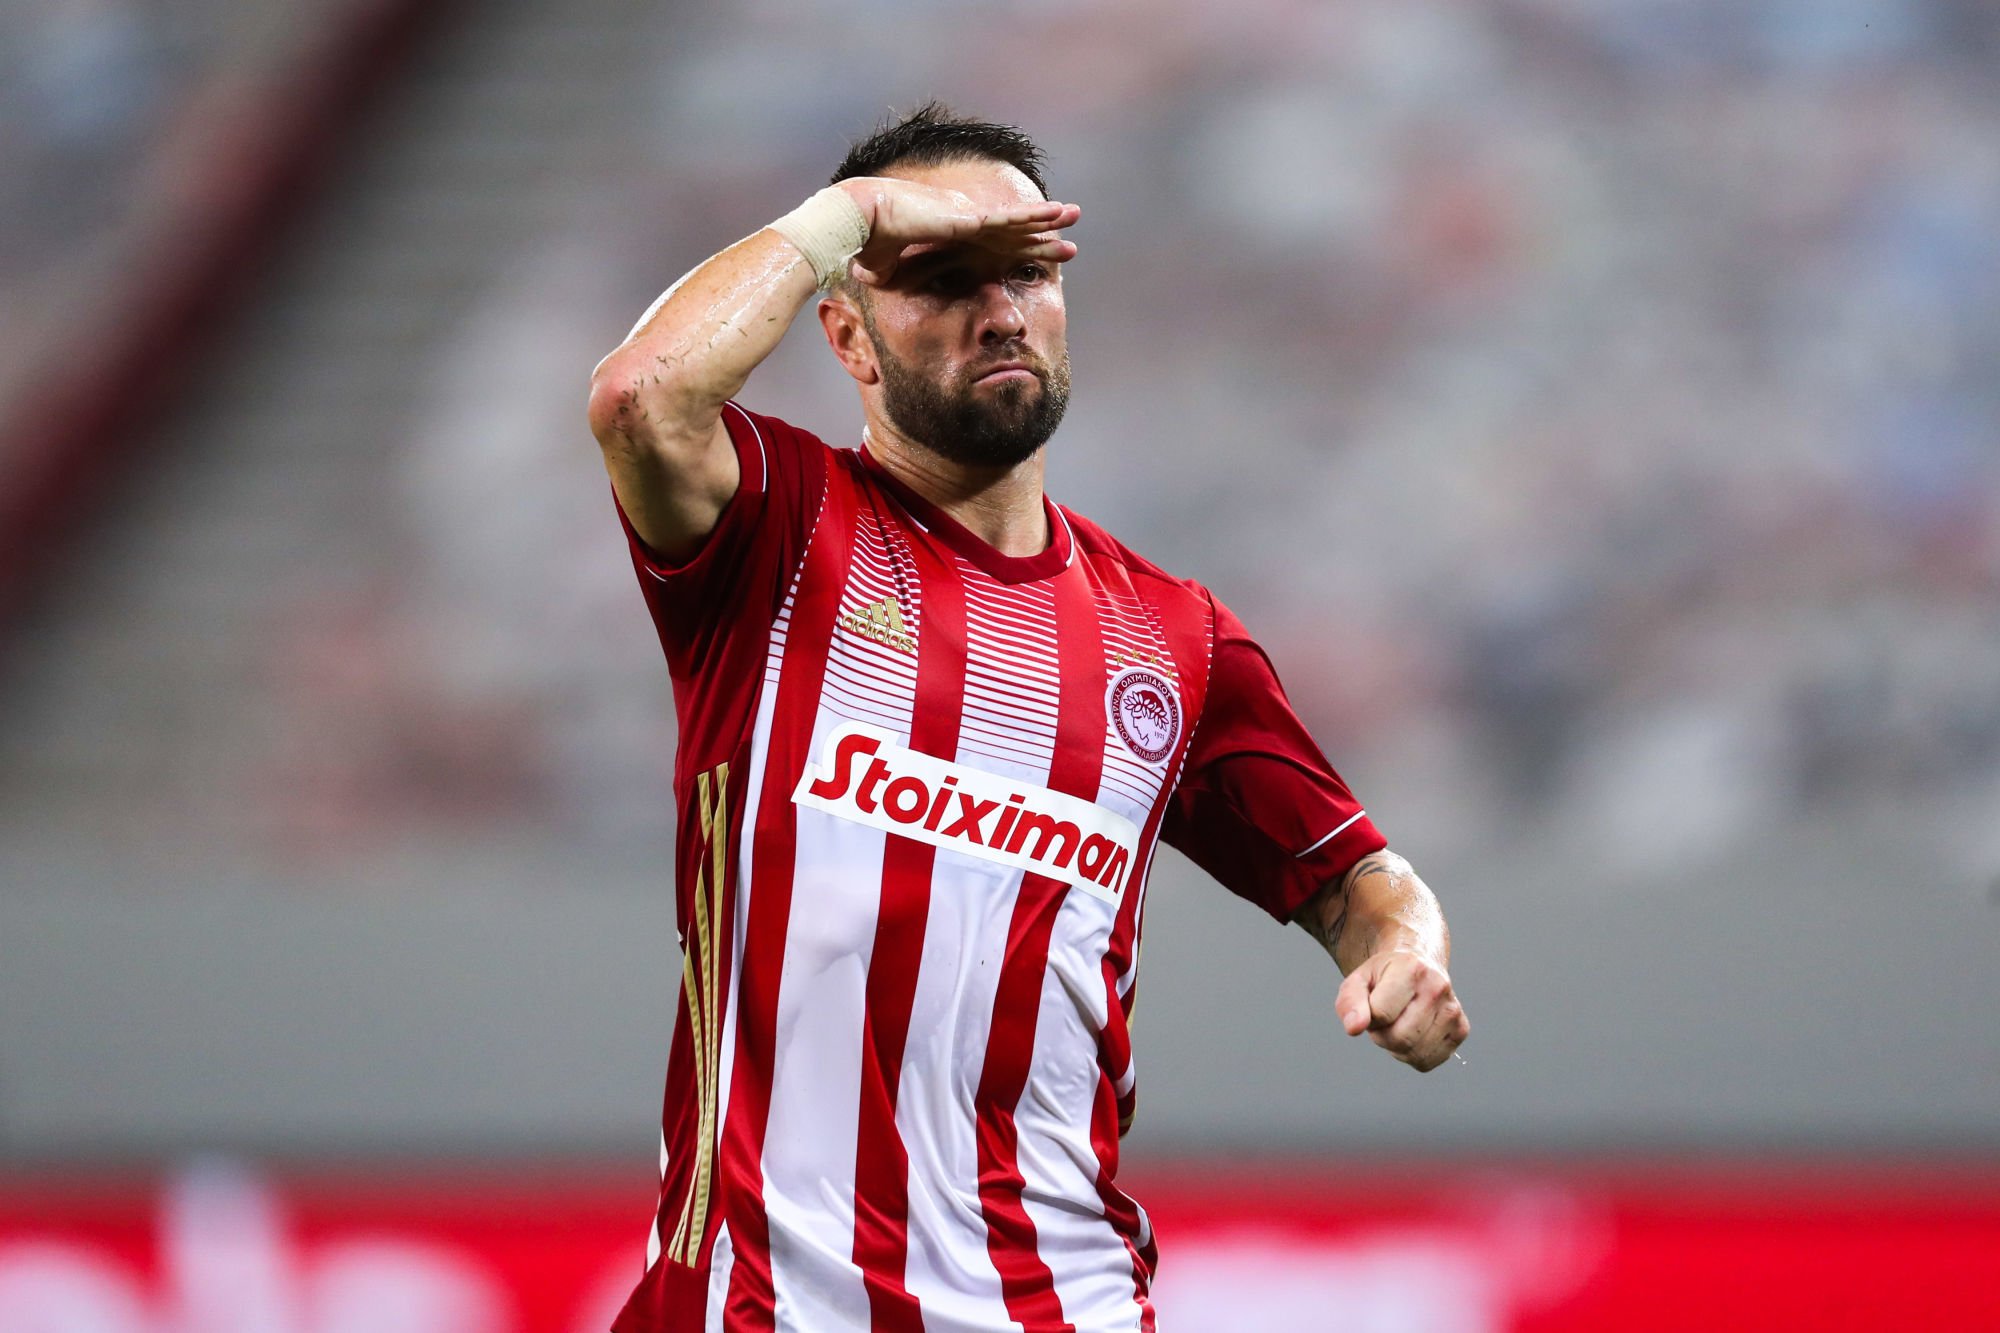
[[1328, 915], [1383, 862], [1330, 937], [1315, 916]]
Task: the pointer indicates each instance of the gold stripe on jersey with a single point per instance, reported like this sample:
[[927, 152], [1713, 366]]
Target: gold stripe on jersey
[[700, 976]]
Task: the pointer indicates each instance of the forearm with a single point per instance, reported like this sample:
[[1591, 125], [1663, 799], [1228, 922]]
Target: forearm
[[656, 402], [693, 350], [1385, 929], [1380, 905]]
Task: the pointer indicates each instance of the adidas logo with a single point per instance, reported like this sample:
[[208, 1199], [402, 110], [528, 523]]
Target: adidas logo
[[883, 622]]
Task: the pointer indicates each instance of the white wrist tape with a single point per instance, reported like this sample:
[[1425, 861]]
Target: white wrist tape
[[828, 229]]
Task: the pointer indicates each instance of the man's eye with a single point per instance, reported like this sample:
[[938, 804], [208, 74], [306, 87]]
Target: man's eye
[[1030, 273]]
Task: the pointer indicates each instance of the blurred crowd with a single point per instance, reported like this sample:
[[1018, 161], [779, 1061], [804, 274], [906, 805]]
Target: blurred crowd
[[98, 102], [84, 85], [1590, 403], [83, 88]]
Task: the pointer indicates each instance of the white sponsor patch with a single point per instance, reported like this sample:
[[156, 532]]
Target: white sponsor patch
[[863, 774]]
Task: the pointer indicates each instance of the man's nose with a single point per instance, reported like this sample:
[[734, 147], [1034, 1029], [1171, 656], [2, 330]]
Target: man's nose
[[1000, 318]]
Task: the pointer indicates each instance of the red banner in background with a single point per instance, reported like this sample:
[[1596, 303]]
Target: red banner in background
[[225, 1248]]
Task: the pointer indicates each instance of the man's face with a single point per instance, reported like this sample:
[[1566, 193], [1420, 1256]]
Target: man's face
[[972, 344]]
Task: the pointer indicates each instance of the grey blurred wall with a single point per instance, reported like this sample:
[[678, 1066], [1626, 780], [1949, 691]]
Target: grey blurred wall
[[1591, 408], [1738, 1011]]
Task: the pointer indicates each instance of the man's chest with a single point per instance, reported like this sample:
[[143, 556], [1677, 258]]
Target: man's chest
[[1068, 683]]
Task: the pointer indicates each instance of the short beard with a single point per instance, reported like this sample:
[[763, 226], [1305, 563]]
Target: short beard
[[999, 430]]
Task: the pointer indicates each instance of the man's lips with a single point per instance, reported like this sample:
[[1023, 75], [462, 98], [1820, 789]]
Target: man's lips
[[1007, 370]]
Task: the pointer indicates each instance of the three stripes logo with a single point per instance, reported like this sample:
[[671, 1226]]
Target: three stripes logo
[[883, 622]]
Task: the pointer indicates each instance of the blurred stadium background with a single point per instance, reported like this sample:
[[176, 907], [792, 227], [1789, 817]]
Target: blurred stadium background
[[1591, 403]]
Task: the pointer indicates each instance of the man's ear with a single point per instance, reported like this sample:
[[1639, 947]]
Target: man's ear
[[847, 334]]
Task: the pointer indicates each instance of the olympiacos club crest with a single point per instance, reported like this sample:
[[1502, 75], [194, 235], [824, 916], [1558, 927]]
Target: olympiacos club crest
[[1145, 712]]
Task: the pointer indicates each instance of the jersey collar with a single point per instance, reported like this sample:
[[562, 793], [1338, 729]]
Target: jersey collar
[[1005, 568]]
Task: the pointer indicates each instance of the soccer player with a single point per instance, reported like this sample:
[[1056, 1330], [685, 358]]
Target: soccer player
[[932, 725]]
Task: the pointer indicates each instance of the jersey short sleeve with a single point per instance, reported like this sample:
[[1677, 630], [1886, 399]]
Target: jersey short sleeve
[[1258, 806], [729, 591]]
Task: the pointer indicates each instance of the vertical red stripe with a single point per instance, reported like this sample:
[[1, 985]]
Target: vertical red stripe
[[659, 1297], [1076, 769], [881, 1162], [1106, 1127], [1189, 634], [751, 1302]]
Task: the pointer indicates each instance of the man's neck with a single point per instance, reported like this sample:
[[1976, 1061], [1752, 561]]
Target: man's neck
[[1000, 506]]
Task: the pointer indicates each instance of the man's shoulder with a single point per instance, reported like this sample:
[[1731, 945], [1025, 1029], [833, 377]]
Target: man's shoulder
[[777, 455], [1146, 579], [772, 431]]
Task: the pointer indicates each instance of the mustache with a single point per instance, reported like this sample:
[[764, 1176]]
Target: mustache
[[1020, 352]]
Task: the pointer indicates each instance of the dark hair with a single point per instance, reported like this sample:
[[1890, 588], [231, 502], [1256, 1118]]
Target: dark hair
[[935, 134]]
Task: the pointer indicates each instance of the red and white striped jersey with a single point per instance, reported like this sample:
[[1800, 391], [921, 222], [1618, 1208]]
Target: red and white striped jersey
[[919, 786]]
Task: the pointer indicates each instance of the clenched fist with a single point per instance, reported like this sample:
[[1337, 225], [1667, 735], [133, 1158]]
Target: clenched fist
[[1404, 1002]]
